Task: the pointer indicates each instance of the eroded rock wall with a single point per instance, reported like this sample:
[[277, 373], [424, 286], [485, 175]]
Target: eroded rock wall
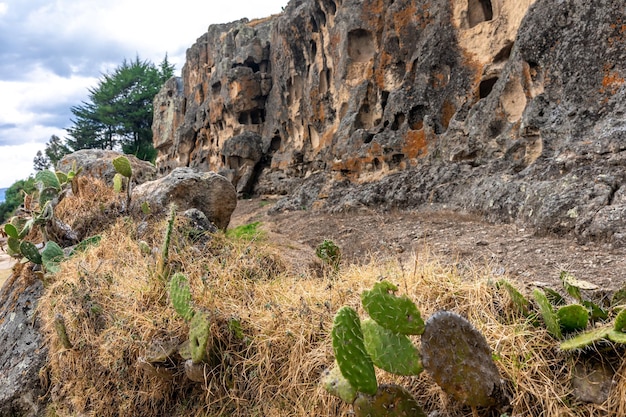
[[510, 109]]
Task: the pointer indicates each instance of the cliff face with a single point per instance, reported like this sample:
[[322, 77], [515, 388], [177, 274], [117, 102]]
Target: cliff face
[[511, 109]]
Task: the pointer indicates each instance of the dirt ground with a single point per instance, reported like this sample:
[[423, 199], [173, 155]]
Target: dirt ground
[[462, 240]]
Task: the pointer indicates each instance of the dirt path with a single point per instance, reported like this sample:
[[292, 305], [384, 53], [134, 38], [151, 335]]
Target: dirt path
[[463, 240]]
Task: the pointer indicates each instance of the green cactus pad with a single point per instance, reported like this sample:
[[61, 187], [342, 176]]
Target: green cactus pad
[[118, 183], [336, 384], [620, 321], [554, 297], [352, 358], [47, 179], [520, 303], [180, 294], [61, 177], [573, 285], [30, 252], [389, 401], [619, 297], [391, 351], [547, 313], [585, 339], [11, 231], [459, 359], [86, 243], [47, 194], [595, 311], [573, 317], [199, 336], [398, 314], [52, 255], [617, 337], [26, 228], [122, 165], [14, 245]]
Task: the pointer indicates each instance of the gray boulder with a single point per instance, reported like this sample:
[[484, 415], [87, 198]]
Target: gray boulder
[[97, 163], [208, 192], [241, 154], [22, 349]]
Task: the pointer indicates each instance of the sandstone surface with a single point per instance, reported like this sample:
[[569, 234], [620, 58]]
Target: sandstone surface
[[512, 110]]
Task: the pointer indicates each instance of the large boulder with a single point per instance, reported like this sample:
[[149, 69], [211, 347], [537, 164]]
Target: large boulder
[[22, 349], [98, 163], [241, 155], [208, 192]]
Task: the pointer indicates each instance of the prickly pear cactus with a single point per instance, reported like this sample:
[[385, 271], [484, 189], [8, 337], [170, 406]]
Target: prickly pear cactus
[[585, 339], [47, 179], [11, 231], [336, 384], [547, 313], [520, 303], [617, 337], [199, 336], [52, 255], [352, 358], [398, 314], [180, 295], [573, 317], [122, 165], [30, 252], [458, 358], [391, 351], [620, 321], [389, 401]]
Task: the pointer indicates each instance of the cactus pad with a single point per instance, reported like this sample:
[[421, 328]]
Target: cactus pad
[[355, 364], [336, 384], [391, 351], [11, 231], [573, 317], [199, 336], [118, 184], [620, 321], [398, 314], [585, 339], [595, 311], [520, 303], [30, 252], [47, 179], [458, 358], [617, 337], [52, 255], [122, 165], [180, 295], [547, 313], [389, 401]]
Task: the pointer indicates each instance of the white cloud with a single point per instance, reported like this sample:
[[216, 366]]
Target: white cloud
[[3, 9], [17, 162]]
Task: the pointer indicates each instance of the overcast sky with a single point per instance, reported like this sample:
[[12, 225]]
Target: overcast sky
[[52, 51]]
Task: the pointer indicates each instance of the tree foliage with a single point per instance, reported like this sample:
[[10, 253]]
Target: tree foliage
[[14, 196], [118, 112], [41, 162]]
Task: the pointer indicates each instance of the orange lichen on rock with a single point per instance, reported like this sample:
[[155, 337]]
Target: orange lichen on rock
[[447, 112], [416, 144], [611, 81]]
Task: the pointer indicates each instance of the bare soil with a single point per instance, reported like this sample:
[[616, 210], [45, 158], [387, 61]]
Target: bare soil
[[460, 239]]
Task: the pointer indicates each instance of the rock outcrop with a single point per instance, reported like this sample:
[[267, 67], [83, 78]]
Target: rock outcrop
[[514, 110]]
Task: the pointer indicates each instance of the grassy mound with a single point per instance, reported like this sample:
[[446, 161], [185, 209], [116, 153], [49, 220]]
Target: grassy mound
[[269, 328]]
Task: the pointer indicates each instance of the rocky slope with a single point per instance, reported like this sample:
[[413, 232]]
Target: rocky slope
[[513, 110]]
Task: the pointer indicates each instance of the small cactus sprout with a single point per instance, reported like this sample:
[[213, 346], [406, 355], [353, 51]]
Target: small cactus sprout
[[122, 166], [398, 314], [391, 351], [180, 295], [620, 321], [355, 364], [520, 303], [199, 336], [547, 313], [336, 384], [330, 253], [585, 339], [162, 265], [458, 358], [390, 400], [52, 255], [30, 252], [118, 182], [573, 317], [573, 285]]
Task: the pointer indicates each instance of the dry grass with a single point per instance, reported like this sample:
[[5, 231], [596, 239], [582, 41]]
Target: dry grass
[[117, 313]]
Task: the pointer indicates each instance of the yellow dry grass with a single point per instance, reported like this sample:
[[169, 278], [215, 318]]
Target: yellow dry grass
[[117, 313]]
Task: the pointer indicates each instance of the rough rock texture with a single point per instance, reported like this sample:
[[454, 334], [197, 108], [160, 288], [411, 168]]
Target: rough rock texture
[[97, 163], [208, 192], [22, 349], [509, 109]]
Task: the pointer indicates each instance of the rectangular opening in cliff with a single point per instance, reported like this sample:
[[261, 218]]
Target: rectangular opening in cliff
[[479, 11]]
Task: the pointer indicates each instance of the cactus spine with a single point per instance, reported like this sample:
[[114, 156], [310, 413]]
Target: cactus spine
[[199, 336], [398, 314], [391, 351], [180, 294]]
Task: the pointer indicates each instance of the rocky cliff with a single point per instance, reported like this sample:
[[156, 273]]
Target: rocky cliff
[[514, 110]]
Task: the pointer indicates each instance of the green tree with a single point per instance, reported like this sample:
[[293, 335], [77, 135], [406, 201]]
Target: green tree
[[14, 196], [40, 161], [56, 149], [119, 109]]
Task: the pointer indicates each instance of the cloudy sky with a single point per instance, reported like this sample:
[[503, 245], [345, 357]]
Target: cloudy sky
[[52, 51]]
